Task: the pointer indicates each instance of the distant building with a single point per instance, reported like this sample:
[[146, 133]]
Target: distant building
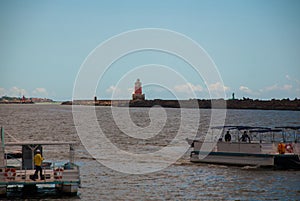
[[23, 99], [138, 93]]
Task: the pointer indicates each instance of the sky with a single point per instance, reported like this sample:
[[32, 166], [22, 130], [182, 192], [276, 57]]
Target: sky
[[255, 46]]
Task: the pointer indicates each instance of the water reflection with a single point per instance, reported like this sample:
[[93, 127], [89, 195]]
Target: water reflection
[[180, 181]]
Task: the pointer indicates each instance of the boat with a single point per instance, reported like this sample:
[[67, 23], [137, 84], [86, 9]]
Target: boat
[[277, 147], [14, 172]]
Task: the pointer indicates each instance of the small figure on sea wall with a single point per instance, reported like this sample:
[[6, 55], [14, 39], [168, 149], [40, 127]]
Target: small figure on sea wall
[[233, 98]]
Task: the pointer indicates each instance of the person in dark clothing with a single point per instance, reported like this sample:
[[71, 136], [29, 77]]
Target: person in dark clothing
[[227, 137], [244, 137]]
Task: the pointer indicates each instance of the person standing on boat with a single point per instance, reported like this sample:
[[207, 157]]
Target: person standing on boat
[[244, 137], [227, 137], [38, 159]]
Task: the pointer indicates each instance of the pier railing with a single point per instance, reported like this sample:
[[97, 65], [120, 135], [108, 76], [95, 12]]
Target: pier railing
[[55, 175]]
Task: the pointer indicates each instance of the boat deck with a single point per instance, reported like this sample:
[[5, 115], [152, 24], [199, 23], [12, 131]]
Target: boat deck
[[50, 177]]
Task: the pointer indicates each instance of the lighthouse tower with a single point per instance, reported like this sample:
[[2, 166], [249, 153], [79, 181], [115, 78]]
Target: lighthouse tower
[[138, 94]]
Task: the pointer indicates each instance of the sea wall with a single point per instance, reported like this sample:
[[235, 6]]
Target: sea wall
[[274, 104]]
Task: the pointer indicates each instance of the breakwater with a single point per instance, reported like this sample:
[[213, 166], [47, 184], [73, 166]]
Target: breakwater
[[274, 104]]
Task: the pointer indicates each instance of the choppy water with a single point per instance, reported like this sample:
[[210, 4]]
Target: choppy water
[[180, 181]]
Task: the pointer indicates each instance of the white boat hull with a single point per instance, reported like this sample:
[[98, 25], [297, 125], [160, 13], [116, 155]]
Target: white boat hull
[[234, 159]]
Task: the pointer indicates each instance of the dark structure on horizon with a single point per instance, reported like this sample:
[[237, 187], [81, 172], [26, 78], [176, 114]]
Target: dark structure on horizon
[[246, 103]]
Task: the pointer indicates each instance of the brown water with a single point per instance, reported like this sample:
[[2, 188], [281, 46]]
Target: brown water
[[180, 181]]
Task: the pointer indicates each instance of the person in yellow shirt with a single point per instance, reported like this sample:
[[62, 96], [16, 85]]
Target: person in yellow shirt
[[38, 159]]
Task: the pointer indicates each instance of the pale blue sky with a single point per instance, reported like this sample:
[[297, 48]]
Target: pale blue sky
[[255, 44]]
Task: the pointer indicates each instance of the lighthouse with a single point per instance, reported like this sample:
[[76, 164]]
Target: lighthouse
[[138, 94]]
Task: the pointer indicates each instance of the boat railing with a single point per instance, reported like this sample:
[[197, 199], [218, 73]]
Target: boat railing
[[13, 162], [296, 148], [55, 174], [257, 147], [258, 134]]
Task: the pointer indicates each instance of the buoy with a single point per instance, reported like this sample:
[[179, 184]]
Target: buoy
[[10, 173], [289, 148], [58, 173]]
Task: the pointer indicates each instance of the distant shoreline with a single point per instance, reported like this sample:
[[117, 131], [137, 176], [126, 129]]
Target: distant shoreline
[[32, 103], [24, 100], [15, 102], [274, 104]]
